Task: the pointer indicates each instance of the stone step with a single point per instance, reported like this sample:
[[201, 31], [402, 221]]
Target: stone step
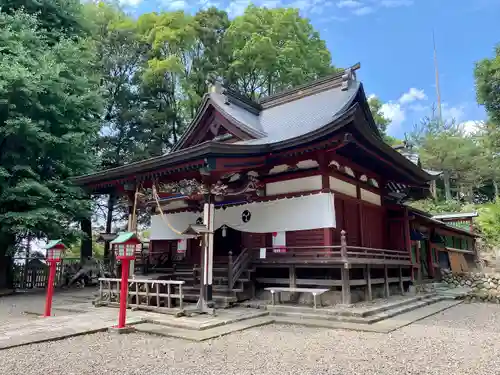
[[406, 308], [224, 299], [203, 335], [358, 319], [383, 326], [360, 312], [396, 304], [215, 288], [453, 293], [207, 322]]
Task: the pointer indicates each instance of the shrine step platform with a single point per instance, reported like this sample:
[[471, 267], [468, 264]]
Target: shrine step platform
[[204, 327], [359, 316]]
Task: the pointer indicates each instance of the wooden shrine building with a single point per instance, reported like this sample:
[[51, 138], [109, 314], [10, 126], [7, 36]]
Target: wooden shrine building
[[295, 189]]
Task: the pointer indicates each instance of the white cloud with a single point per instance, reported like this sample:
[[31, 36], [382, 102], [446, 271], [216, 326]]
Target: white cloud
[[237, 8], [363, 11], [412, 95], [132, 3], [310, 6], [471, 127], [349, 4], [394, 112], [271, 3], [204, 4], [452, 113], [176, 4], [396, 3]]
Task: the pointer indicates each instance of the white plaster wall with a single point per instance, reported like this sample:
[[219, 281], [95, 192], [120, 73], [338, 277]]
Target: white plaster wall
[[294, 186], [343, 187], [368, 196]]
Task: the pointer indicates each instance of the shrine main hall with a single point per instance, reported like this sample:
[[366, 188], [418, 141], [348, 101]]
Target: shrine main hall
[[297, 189]]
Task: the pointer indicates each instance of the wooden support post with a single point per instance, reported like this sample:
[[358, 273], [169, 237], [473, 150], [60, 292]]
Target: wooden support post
[[292, 276], [343, 246], [230, 282], [157, 295], [401, 287], [346, 287], [368, 278], [386, 282]]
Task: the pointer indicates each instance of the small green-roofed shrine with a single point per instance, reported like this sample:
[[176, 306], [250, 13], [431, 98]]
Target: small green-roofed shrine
[[54, 244], [126, 237]]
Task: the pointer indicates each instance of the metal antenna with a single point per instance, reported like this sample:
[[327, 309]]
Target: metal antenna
[[438, 91]]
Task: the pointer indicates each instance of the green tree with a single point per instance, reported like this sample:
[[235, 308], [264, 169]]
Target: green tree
[[487, 75], [49, 106], [209, 55], [120, 55], [443, 146], [171, 37], [56, 18], [271, 50], [378, 115]]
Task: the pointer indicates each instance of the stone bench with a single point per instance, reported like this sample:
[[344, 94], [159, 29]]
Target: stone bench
[[279, 290]]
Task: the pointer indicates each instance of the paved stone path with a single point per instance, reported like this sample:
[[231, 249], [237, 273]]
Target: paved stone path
[[41, 329]]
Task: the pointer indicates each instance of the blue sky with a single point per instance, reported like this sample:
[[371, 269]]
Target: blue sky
[[392, 39]]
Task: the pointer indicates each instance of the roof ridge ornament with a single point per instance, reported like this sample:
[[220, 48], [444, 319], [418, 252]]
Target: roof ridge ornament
[[348, 76]]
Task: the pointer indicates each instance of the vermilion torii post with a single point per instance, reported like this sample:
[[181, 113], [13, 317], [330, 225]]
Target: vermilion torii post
[[55, 250]]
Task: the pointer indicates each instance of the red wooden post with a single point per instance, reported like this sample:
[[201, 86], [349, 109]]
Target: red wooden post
[[123, 293], [50, 287]]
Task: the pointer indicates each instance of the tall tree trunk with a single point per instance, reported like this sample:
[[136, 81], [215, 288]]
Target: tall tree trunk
[[6, 263], [109, 222], [86, 245], [495, 187], [447, 187]]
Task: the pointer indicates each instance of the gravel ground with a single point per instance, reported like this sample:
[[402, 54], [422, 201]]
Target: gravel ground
[[462, 340]]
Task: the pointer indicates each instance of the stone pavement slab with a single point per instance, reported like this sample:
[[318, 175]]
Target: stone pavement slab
[[202, 322], [59, 327], [205, 334]]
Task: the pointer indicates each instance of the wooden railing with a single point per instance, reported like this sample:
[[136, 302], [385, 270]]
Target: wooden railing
[[149, 293], [342, 253], [236, 268]]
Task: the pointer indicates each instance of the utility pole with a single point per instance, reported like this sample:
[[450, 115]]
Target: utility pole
[[446, 174], [438, 91]]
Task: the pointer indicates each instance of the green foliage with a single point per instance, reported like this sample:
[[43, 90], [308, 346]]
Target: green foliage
[[438, 207], [488, 222], [376, 109], [49, 104], [273, 49], [444, 147], [56, 18], [487, 75]]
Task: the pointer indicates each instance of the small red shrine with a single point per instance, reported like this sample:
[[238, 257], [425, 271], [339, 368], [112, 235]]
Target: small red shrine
[[296, 189]]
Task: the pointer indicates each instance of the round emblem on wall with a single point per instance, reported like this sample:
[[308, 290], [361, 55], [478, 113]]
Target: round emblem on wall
[[246, 216], [199, 221]]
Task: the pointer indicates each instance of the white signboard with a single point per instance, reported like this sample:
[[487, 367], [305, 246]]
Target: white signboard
[[279, 242], [263, 253], [181, 246]]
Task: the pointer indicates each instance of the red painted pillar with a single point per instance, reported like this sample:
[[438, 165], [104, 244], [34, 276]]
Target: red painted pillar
[[123, 293], [50, 287]]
